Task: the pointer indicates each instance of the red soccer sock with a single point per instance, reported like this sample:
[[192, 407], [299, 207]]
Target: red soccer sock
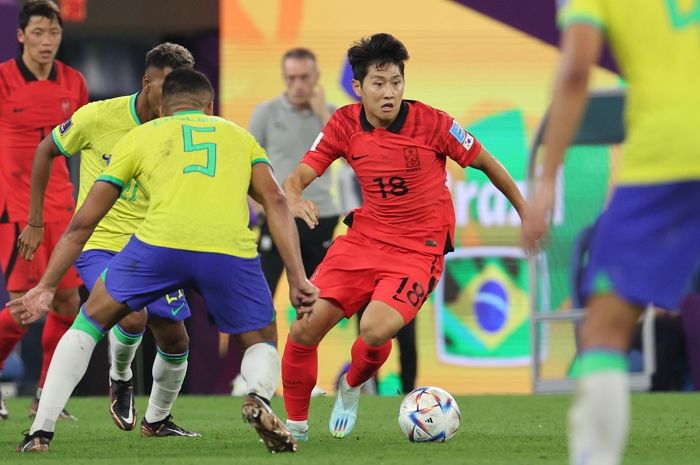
[[366, 360], [299, 374], [10, 334], [55, 327]]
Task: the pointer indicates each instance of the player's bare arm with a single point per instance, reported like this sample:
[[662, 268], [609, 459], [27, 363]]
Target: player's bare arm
[[294, 185], [581, 47], [35, 303], [499, 177], [265, 190], [33, 232]]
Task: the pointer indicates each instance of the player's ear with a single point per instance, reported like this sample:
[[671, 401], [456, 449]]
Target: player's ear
[[146, 81], [357, 87], [210, 109], [20, 36]]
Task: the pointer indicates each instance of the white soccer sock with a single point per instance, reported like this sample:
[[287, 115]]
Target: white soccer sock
[[168, 374], [302, 425], [68, 365], [260, 368], [599, 417], [122, 349]]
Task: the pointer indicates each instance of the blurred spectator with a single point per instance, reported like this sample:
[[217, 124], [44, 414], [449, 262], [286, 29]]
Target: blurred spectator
[[286, 127]]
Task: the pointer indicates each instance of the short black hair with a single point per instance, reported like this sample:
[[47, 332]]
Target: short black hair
[[189, 85], [299, 53], [45, 8], [379, 49], [169, 55]]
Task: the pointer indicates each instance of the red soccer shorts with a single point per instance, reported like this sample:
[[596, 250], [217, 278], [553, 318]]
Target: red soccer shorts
[[358, 269], [22, 275]]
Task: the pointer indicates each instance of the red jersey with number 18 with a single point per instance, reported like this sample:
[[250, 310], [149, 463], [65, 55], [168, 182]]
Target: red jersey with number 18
[[401, 170], [29, 109]]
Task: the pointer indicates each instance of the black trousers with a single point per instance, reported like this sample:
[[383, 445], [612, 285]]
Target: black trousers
[[314, 245]]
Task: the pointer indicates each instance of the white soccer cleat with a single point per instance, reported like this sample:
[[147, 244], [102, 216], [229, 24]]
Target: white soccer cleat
[[344, 414]]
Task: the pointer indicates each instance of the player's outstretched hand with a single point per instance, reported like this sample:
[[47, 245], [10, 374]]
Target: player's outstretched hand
[[32, 305], [307, 211], [535, 222], [303, 296], [29, 240]]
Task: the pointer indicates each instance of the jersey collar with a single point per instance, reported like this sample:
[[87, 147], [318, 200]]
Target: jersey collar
[[28, 75], [132, 108], [395, 125], [188, 112]]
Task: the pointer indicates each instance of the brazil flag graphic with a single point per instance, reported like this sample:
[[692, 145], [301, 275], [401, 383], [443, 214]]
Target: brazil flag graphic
[[482, 308]]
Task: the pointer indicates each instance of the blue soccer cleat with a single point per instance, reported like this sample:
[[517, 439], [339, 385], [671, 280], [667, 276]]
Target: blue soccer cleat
[[344, 412]]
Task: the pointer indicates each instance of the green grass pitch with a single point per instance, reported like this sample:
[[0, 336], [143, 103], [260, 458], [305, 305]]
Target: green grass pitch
[[495, 430]]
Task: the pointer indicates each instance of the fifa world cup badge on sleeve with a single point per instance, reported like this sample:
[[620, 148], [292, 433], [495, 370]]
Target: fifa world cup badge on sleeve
[[65, 126]]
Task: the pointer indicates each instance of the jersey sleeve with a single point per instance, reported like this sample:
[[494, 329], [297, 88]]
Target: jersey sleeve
[[257, 153], [123, 163], [326, 148], [455, 142], [73, 135], [590, 12]]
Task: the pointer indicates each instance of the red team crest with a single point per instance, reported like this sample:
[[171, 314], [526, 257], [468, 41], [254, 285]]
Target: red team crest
[[410, 154]]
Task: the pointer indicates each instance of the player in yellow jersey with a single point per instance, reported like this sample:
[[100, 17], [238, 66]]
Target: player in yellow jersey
[[199, 170], [93, 132], [646, 244]]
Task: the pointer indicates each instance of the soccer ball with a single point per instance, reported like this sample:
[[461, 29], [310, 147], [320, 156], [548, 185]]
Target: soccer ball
[[429, 414]]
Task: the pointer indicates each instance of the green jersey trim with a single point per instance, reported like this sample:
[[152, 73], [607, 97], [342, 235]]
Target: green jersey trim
[[132, 108], [260, 160], [60, 147], [188, 112], [111, 180], [582, 19]]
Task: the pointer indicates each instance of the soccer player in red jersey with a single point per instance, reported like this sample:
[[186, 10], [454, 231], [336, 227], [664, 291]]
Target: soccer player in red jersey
[[392, 256], [37, 92]]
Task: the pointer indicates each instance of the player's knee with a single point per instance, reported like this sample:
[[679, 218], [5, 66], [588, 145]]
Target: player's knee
[[134, 322], [177, 345], [375, 335], [605, 332], [304, 335], [66, 302]]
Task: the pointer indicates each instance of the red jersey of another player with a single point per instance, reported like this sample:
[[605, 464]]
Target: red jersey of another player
[[401, 170], [29, 109]]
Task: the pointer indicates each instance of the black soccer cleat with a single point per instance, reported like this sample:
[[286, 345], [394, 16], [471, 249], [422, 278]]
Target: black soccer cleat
[[121, 404], [37, 442], [165, 428]]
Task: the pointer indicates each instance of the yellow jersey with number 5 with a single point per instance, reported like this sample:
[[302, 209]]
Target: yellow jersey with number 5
[[197, 170], [656, 44], [93, 131]]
